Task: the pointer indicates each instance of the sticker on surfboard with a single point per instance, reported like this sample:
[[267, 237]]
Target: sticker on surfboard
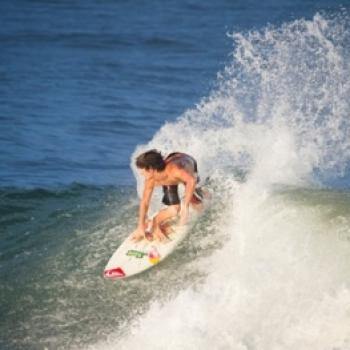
[[154, 256]]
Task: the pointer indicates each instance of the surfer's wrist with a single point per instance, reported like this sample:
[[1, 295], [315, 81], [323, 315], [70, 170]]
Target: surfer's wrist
[[184, 204]]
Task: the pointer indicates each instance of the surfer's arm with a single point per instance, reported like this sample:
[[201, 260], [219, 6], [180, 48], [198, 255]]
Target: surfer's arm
[[190, 185], [144, 204]]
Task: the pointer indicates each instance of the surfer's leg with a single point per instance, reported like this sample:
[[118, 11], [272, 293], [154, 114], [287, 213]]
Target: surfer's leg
[[159, 220], [197, 199]]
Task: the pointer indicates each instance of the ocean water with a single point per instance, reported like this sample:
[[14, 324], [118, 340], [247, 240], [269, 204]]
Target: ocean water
[[257, 92]]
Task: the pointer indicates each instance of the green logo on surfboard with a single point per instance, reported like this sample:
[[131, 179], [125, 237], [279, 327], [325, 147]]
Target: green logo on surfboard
[[136, 253]]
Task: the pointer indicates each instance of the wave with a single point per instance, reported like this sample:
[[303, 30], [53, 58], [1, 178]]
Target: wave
[[271, 272], [54, 244], [265, 268], [271, 135], [281, 104]]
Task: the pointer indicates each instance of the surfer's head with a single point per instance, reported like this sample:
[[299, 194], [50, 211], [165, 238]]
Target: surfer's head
[[150, 160]]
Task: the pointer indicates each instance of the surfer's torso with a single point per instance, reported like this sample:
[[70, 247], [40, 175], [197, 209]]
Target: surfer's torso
[[174, 162]]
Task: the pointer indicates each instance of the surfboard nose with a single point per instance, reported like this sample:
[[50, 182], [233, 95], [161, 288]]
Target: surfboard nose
[[114, 273]]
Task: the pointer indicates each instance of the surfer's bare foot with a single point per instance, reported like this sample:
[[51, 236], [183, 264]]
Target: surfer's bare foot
[[166, 228], [161, 237], [160, 233]]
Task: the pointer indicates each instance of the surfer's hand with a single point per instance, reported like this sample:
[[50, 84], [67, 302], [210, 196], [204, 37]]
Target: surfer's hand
[[183, 215], [138, 234]]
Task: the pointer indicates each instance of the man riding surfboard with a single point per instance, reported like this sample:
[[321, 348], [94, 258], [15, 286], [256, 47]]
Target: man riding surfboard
[[177, 168]]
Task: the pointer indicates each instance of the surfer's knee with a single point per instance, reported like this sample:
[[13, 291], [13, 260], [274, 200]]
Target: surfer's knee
[[172, 210], [166, 213]]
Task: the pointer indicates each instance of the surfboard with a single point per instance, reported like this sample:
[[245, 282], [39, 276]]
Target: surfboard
[[133, 257]]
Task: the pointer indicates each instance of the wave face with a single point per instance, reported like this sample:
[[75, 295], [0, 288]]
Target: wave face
[[53, 247], [275, 129]]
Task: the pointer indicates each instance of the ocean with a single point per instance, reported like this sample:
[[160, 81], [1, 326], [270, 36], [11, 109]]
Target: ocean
[[258, 92]]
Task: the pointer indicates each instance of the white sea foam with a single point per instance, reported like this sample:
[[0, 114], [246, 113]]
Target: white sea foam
[[279, 116]]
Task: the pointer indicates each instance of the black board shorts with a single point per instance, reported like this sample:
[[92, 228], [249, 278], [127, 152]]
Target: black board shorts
[[171, 195]]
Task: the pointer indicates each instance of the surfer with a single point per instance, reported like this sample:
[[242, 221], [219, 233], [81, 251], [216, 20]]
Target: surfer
[[177, 168]]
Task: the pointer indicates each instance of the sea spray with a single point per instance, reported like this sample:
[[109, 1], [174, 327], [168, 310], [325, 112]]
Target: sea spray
[[285, 287], [279, 117], [284, 85]]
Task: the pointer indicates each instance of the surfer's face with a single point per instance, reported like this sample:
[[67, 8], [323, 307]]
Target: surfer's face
[[146, 173]]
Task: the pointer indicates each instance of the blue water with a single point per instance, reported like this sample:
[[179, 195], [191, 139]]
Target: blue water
[[257, 91], [82, 83]]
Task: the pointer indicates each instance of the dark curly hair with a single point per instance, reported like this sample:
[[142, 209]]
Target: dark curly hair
[[150, 160]]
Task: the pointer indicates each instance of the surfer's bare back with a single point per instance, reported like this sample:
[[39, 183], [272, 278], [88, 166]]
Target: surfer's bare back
[[177, 168]]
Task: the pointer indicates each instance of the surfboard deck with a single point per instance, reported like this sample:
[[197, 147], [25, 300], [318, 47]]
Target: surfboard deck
[[133, 257]]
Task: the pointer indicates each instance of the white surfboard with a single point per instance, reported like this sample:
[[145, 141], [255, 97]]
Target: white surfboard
[[134, 257]]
